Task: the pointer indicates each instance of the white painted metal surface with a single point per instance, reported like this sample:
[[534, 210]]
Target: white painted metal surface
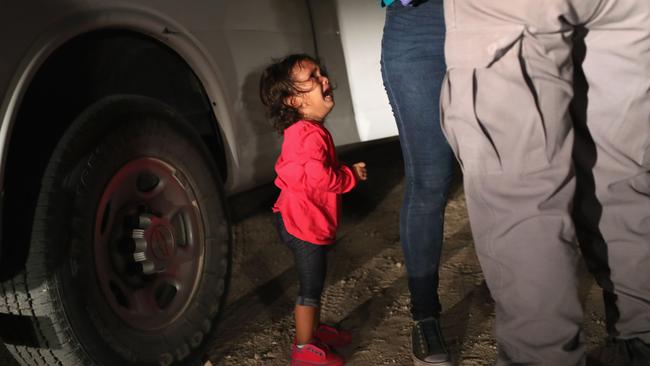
[[226, 43]]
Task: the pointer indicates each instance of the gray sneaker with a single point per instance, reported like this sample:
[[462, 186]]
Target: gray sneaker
[[428, 345]]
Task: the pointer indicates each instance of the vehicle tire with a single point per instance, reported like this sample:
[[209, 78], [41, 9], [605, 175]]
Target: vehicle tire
[[129, 252]]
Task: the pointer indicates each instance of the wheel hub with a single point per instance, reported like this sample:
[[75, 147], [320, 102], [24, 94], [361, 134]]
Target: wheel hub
[[148, 243], [153, 244], [161, 240]]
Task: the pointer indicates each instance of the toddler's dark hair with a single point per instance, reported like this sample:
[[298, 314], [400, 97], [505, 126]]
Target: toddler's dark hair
[[276, 86]]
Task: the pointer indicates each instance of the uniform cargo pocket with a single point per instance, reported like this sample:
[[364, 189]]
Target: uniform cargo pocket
[[469, 139]]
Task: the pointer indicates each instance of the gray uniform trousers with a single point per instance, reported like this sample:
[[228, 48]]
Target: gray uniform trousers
[[508, 114]]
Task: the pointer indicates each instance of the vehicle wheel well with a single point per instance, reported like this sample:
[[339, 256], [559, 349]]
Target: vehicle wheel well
[[82, 71]]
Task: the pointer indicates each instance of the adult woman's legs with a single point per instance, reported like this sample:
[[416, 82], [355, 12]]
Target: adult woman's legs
[[413, 67]]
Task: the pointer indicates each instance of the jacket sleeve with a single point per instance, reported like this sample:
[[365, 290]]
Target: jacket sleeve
[[320, 172]]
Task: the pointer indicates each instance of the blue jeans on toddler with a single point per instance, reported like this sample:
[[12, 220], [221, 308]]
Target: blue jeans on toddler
[[413, 67], [311, 264]]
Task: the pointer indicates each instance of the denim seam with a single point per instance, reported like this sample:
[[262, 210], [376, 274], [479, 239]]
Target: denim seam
[[397, 115]]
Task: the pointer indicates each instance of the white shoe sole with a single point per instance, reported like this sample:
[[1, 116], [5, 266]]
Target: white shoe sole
[[418, 362]]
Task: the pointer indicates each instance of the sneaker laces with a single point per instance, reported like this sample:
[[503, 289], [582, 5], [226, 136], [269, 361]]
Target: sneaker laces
[[428, 342], [433, 335]]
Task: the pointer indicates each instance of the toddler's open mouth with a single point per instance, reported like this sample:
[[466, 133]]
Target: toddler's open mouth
[[327, 94]]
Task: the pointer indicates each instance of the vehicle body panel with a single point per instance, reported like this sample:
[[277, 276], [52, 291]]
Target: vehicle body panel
[[226, 44]]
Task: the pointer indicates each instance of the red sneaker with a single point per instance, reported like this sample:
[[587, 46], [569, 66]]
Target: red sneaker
[[333, 337], [314, 354]]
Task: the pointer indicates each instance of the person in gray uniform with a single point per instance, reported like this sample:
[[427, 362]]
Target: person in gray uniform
[[546, 104]]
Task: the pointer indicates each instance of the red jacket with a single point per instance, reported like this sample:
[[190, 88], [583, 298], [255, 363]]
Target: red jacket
[[312, 181]]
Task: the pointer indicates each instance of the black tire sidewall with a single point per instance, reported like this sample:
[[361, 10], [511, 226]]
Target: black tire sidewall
[[105, 138]]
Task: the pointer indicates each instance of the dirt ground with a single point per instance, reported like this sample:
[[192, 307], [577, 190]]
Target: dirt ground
[[366, 287]]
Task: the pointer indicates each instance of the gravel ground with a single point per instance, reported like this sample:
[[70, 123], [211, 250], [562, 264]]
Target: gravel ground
[[366, 287]]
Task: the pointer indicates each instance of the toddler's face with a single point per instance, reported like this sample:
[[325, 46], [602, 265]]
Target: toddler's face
[[315, 99]]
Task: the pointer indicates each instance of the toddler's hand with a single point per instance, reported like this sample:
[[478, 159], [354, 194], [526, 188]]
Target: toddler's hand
[[360, 170]]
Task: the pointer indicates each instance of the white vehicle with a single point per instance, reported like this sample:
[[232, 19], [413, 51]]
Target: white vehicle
[[124, 127]]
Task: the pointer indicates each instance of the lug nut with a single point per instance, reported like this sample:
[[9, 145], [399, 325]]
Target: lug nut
[[137, 233], [139, 245], [144, 221], [148, 267]]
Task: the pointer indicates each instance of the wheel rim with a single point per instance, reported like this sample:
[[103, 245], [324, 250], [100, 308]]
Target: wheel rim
[[148, 243]]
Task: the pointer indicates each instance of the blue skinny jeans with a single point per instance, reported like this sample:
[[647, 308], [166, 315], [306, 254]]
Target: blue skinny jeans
[[413, 66]]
